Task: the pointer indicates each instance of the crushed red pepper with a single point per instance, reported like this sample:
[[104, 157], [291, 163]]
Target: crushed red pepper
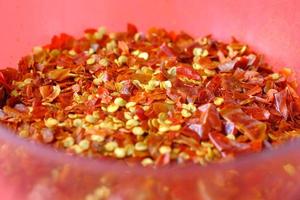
[[155, 98]]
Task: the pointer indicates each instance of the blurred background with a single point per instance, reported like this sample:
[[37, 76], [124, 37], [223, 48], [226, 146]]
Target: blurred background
[[269, 25]]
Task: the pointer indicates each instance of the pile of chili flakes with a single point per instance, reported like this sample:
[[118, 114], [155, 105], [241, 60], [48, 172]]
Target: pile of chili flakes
[[155, 98]]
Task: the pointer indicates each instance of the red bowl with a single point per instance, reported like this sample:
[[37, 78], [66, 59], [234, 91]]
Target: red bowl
[[32, 171]]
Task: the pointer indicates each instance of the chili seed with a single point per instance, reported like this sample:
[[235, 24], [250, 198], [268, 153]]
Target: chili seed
[[120, 101], [77, 123], [110, 146], [51, 122], [143, 55], [218, 101], [138, 131], [90, 118], [130, 104], [120, 152], [140, 146], [84, 144], [147, 161], [68, 142], [185, 113], [164, 149], [91, 61], [97, 138], [112, 108], [131, 123]]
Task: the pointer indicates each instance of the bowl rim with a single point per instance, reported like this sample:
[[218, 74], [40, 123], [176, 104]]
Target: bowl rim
[[92, 165]]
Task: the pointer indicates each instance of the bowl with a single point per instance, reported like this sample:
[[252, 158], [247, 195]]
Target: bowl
[[33, 171]]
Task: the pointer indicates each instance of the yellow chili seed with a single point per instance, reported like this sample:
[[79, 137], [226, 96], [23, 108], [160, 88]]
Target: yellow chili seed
[[175, 127], [145, 108], [184, 155], [100, 33], [24, 133], [110, 146], [122, 59], [147, 161], [168, 122], [68, 142], [207, 144], [132, 109], [37, 49], [143, 55], [197, 66], [104, 62], [84, 144], [131, 123], [129, 149], [14, 93], [72, 53], [275, 76], [165, 84], [130, 104], [172, 71], [230, 136], [185, 113], [204, 53], [51, 122], [163, 128], [97, 138], [120, 152], [112, 108], [77, 123], [197, 51], [120, 101], [137, 131], [91, 61], [77, 149], [127, 115], [97, 81], [90, 118], [140, 146], [218, 101], [110, 46], [164, 149], [209, 72]]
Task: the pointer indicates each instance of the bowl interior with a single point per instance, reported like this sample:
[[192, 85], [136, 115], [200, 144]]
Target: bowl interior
[[270, 27]]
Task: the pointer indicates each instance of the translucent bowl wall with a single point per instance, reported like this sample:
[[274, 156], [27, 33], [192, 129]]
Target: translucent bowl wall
[[31, 171]]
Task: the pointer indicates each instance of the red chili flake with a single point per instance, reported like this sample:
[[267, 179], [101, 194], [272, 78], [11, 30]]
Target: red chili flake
[[131, 29], [252, 128], [227, 146], [188, 72], [281, 103], [209, 120]]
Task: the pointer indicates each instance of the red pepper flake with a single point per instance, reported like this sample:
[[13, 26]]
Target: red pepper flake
[[252, 128]]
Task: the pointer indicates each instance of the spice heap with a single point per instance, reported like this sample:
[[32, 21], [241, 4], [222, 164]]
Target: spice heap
[[154, 98]]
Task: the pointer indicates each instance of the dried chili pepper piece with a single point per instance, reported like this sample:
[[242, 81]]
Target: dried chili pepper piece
[[208, 120], [188, 72], [252, 128], [281, 103], [227, 146]]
